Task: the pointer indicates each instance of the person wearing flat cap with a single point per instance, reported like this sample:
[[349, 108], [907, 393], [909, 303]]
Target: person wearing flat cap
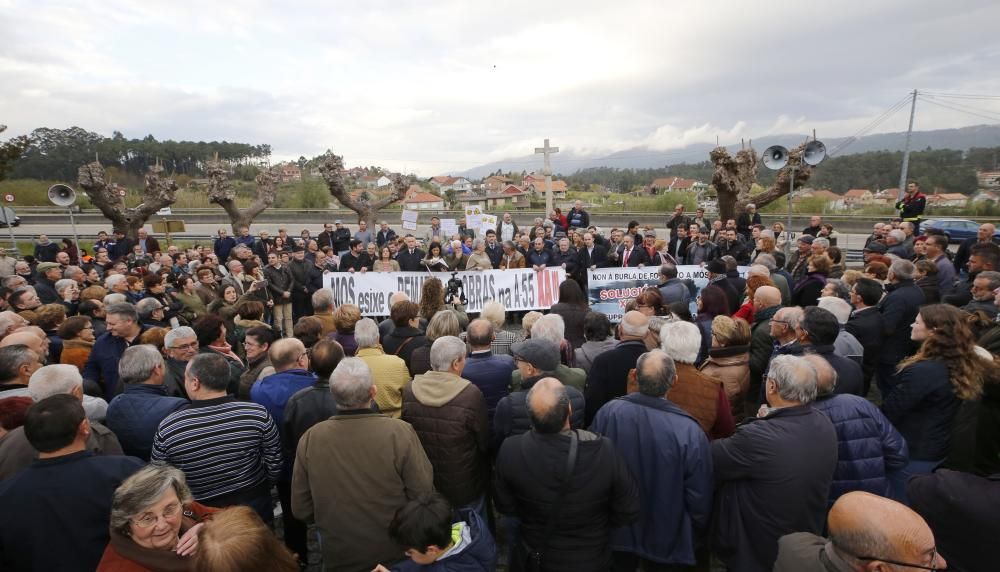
[[534, 359], [874, 248], [798, 262], [45, 284], [717, 276]]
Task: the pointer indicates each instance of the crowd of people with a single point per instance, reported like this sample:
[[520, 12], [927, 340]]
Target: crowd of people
[[161, 408]]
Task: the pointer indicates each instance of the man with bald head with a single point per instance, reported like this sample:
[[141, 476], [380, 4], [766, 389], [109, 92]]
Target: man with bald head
[[766, 303], [983, 236], [608, 375], [869, 446], [773, 475], [867, 532], [675, 475], [601, 493], [28, 336]]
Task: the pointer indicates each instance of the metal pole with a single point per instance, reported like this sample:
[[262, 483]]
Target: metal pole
[[10, 229], [906, 149], [76, 239], [788, 229]]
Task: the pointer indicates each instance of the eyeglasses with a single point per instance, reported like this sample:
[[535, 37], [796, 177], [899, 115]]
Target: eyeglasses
[[147, 520], [906, 564], [190, 346]]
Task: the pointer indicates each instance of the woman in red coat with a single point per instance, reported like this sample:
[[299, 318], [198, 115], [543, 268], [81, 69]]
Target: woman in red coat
[[154, 523]]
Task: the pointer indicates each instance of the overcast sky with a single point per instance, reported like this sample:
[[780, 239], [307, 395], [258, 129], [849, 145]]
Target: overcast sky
[[436, 86]]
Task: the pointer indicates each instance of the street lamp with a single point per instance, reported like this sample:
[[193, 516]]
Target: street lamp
[[776, 157]]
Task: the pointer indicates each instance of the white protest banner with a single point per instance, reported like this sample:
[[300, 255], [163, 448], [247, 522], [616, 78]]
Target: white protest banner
[[409, 219], [518, 290], [473, 217], [489, 222], [449, 227], [609, 290]]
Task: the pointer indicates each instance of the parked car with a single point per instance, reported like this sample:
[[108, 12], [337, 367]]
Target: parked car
[[957, 229], [8, 215]]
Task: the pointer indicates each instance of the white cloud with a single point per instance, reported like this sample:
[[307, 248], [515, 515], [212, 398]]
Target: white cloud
[[445, 85]]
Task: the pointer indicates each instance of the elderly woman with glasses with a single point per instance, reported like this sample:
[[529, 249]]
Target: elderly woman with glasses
[[155, 522]]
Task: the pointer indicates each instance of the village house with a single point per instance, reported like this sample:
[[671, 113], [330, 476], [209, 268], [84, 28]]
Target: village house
[[986, 197], [559, 188], [290, 172], [445, 183], [383, 182], [496, 183], [418, 199], [832, 200], [988, 179], [512, 197], [947, 200], [676, 184], [855, 197]]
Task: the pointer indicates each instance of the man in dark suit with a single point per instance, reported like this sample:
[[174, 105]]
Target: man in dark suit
[[592, 255], [494, 250], [409, 258], [866, 324], [326, 238], [899, 310], [632, 256]]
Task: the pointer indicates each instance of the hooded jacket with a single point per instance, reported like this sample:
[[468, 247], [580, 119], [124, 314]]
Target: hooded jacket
[[449, 415], [472, 550]]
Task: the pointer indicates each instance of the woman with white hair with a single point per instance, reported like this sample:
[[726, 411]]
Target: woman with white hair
[[698, 394], [479, 260], [155, 522]]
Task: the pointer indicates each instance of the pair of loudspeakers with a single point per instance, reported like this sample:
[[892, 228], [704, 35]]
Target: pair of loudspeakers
[[776, 156]]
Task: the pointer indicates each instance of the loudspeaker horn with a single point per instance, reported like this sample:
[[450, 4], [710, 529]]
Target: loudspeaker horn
[[775, 157], [62, 195], [814, 153]]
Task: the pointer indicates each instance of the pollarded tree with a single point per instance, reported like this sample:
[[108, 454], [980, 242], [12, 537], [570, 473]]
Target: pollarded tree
[[221, 192], [735, 175], [331, 168], [110, 199]]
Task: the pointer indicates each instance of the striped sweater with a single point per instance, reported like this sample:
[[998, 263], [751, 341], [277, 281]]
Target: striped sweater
[[222, 446]]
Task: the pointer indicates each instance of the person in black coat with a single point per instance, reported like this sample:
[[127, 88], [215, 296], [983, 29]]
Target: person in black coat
[[678, 245], [899, 309], [608, 375], [357, 259], [717, 277], [773, 475], [819, 329], [531, 470], [592, 255], [747, 220], [961, 509], [406, 334], [866, 324], [409, 257]]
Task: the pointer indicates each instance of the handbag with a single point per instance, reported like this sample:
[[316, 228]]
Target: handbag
[[533, 559]]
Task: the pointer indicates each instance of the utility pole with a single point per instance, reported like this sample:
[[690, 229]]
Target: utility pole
[[546, 151], [906, 148]]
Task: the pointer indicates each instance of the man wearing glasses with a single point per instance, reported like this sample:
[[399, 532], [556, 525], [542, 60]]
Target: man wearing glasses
[[867, 532]]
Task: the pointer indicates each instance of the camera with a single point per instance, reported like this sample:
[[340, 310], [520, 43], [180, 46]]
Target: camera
[[455, 289]]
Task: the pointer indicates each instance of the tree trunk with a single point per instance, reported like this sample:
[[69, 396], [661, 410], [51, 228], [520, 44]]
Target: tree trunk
[[110, 200], [332, 165], [221, 192], [734, 176]]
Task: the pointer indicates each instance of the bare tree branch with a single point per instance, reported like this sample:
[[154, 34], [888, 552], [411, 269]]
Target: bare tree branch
[[221, 192], [330, 168], [110, 200], [734, 177]]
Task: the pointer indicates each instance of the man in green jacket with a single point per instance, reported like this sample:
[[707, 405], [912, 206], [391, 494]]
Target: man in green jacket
[[357, 446]]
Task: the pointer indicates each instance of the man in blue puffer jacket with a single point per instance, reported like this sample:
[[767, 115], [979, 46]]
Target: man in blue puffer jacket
[[869, 447], [135, 414]]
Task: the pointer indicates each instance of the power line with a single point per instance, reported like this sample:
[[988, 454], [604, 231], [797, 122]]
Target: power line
[[968, 107], [966, 111], [870, 126], [961, 95]]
